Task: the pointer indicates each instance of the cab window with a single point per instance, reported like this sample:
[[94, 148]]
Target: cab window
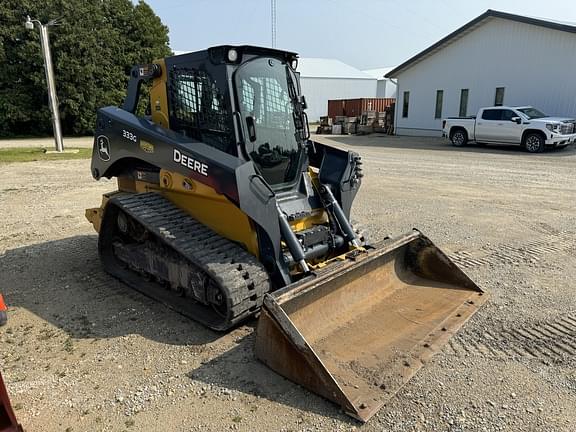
[[508, 114], [492, 114], [198, 109]]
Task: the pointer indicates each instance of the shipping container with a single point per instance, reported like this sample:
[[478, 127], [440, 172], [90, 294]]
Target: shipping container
[[355, 107]]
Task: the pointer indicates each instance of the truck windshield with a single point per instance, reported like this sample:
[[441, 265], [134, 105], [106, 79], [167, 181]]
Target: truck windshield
[[532, 113], [267, 117]]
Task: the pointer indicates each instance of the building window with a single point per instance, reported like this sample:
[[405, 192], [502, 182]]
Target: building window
[[406, 104], [499, 98], [439, 102], [463, 102]]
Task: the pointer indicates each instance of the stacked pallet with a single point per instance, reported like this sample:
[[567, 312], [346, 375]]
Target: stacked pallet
[[338, 125], [368, 120], [350, 126], [325, 126], [386, 121], [364, 116]]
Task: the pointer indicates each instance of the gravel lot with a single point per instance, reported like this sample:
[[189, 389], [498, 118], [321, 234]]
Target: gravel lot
[[82, 352]]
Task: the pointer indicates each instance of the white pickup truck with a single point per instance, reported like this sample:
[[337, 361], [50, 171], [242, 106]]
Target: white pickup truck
[[525, 126]]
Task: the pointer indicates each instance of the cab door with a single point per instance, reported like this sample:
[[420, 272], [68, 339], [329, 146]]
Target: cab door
[[496, 125], [510, 130], [487, 127]]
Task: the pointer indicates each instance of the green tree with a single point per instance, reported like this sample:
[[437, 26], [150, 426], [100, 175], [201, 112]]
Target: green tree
[[92, 52]]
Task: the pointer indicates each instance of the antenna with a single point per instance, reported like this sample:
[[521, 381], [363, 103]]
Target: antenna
[[273, 10]]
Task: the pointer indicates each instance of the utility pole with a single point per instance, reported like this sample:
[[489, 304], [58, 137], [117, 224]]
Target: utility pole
[[273, 13], [50, 81]]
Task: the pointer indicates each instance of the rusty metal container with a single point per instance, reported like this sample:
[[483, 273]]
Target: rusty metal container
[[357, 332], [336, 108], [355, 107]]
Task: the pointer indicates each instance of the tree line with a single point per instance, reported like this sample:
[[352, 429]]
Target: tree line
[[92, 51]]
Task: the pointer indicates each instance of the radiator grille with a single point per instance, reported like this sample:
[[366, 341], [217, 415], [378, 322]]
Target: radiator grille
[[567, 128]]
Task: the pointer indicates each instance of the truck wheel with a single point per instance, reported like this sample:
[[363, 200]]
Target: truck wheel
[[459, 138], [534, 143]]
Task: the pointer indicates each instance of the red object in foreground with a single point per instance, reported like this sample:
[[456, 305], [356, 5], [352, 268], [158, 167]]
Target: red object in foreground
[[3, 309], [8, 422]]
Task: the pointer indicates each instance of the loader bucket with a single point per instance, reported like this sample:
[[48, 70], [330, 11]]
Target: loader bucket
[[357, 333]]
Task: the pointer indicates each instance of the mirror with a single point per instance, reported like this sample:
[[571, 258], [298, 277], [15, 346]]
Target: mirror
[[251, 128], [517, 120]]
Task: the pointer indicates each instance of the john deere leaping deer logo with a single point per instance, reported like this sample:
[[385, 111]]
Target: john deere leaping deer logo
[[103, 148]]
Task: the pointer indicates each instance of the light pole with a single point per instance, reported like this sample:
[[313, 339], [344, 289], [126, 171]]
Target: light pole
[[51, 83]]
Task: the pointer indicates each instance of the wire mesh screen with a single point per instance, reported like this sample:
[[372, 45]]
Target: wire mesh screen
[[268, 102], [197, 108], [247, 97]]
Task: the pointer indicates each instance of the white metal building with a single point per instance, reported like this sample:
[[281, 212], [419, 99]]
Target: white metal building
[[386, 87], [496, 59], [325, 79]]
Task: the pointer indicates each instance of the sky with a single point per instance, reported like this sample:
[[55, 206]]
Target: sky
[[365, 34]]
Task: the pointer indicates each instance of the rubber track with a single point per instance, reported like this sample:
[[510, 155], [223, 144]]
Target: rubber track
[[552, 340], [235, 270]]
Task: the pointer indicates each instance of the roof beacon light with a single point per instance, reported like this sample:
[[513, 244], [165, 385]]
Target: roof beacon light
[[232, 55]]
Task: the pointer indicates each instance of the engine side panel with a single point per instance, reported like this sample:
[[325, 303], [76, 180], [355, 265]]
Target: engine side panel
[[211, 208], [198, 200], [121, 135]]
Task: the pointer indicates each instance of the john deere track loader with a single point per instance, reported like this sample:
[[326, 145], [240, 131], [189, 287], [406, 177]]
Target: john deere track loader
[[226, 209]]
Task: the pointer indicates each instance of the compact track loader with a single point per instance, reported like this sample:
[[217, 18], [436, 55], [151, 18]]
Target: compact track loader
[[226, 209]]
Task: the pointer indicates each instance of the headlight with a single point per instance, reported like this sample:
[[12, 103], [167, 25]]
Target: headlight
[[553, 127]]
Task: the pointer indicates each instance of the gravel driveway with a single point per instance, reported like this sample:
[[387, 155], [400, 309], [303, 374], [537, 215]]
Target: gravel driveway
[[82, 352]]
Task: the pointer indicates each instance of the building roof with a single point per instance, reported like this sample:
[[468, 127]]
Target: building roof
[[328, 68], [378, 73], [472, 25]]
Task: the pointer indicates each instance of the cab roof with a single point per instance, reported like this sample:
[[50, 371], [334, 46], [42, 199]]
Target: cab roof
[[222, 50]]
